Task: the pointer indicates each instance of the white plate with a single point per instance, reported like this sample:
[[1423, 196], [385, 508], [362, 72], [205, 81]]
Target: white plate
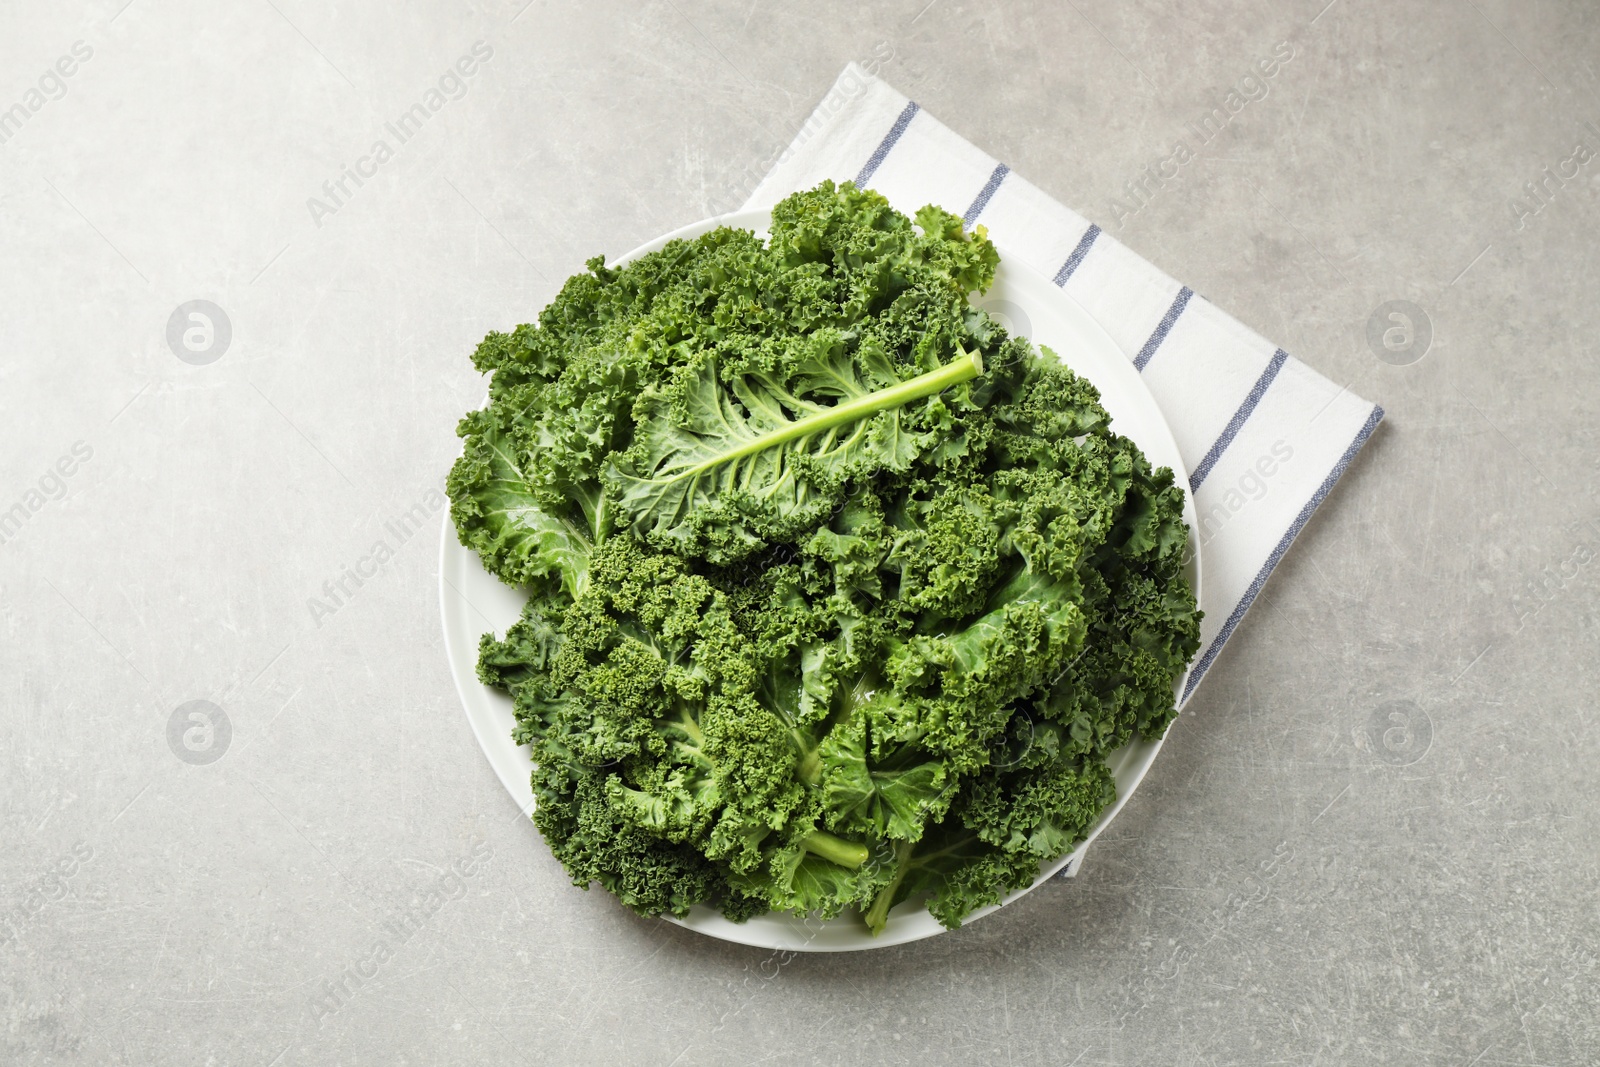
[[473, 601]]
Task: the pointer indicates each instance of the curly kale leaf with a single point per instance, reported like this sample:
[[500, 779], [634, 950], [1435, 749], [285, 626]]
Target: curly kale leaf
[[1001, 827], [639, 382], [766, 456], [523, 540]]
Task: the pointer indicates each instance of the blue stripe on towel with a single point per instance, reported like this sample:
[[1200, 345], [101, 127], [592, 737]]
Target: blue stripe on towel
[[1179, 302], [985, 194], [899, 127], [1085, 243], [1240, 417], [1283, 546]]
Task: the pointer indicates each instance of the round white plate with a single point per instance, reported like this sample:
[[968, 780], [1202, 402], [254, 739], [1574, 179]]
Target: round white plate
[[474, 602]]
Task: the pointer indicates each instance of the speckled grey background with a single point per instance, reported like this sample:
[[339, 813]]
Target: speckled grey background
[[1280, 891]]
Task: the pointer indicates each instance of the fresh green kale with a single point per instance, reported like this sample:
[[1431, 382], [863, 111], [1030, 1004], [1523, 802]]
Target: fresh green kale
[[838, 596]]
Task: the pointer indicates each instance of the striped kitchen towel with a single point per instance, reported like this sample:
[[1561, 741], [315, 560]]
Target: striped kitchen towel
[[1264, 437]]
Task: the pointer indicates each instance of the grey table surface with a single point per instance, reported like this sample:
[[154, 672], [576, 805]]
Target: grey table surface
[[1278, 892]]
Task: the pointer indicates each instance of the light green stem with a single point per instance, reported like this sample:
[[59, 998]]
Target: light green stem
[[810, 770], [844, 853], [961, 369], [878, 914]]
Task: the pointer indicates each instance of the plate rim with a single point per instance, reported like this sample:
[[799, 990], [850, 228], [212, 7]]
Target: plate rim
[[781, 931]]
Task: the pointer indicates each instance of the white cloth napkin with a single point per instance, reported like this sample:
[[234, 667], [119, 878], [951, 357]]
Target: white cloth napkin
[[1264, 437]]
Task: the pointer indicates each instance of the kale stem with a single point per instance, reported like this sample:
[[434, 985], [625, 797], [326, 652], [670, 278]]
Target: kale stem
[[878, 914], [810, 770], [844, 853]]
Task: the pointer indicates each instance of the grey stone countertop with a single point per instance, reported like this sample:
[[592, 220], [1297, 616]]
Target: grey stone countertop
[[1276, 892]]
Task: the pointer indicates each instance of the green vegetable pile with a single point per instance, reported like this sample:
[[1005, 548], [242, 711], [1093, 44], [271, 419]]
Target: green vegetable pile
[[838, 596]]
